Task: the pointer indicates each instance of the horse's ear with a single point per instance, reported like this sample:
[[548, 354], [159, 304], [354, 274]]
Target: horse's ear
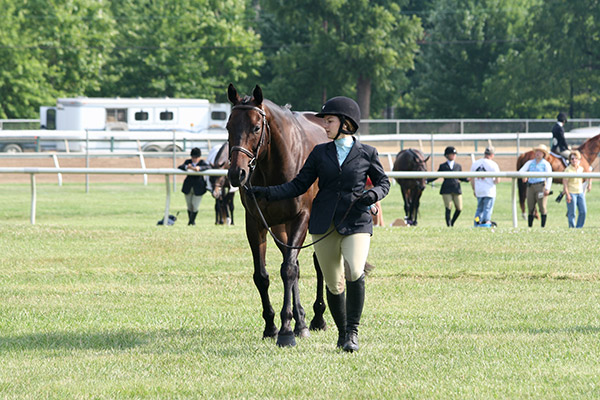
[[258, 96], [427, 159], [232, 95]]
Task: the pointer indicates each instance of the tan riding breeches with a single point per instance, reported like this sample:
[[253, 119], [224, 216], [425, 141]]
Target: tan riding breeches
[[193, 201], [455, 198], [565, 153], [535, 195], [342, 258]]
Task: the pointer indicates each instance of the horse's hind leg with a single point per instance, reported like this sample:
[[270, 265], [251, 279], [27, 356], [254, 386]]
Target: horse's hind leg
[[318, 322]]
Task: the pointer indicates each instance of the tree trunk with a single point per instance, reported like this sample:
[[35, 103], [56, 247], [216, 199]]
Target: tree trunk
[[363, 88]]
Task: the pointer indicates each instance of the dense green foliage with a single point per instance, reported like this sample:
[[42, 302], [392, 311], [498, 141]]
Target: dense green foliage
[[425, 59], [98, 302]]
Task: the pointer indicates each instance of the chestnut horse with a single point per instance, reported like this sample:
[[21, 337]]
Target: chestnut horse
[[222, 191], [411, 160], [268, 146], [588, 149]]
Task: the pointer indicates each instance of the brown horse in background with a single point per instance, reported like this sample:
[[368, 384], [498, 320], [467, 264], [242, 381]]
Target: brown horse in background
[[589, 151], [222, 191], [411, 160], [268, 145]]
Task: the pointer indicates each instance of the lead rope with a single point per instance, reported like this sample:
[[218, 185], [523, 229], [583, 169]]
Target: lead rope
[[264, 221]]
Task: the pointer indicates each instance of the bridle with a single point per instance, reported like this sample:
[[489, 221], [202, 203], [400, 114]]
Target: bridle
[[264, 128]]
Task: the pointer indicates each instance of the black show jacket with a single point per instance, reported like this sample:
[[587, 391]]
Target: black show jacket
[[450, 185], [338, 186], [195, 182]]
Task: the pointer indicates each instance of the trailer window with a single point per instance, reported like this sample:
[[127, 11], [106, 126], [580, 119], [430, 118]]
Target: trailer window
[[116, 115], [141, 116], [166, 116], [218, 115], [51, 119]]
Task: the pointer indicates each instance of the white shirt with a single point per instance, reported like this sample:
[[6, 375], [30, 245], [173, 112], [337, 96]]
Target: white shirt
[[485, 187]]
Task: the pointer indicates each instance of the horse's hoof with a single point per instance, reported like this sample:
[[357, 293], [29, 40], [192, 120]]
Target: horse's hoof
[[302, 333], [318, 324], [287, 340], [270, 333]]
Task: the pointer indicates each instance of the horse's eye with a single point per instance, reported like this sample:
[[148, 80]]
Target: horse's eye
[[257, 129]]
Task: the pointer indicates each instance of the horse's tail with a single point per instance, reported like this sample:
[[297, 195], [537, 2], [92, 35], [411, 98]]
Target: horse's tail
[[522, 194], [520, 184]]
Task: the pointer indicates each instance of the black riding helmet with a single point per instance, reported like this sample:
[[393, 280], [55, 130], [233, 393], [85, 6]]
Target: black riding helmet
[[562, 117], [345, 109], [450, 150]]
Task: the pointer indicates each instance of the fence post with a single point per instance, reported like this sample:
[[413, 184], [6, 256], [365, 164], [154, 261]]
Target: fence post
[[87, 160], [143, 164], [174, 163], [167, 206], [514, 201], [432, 152], [33, 200], [55, 158]]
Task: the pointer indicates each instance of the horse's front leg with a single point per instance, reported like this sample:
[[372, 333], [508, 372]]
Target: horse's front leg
[[258, 244], [318, 322], [293, 235]]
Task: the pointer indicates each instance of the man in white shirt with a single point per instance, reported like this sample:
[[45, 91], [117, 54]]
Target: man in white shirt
[[484, 189]]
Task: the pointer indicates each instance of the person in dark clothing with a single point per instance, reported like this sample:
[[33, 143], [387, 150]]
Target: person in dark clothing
[[194, 186], [559, 143], [450, 190], [340, 213]]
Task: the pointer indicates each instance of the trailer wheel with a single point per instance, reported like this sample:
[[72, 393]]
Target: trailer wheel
[[12, 148], [170, 148], [152, 148]]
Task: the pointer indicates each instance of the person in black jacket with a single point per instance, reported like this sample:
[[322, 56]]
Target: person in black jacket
[[340, 213], [559, 143], [194, 186], [450, 190]]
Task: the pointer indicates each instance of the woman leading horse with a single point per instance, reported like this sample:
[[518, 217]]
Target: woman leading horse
[[340, 221]]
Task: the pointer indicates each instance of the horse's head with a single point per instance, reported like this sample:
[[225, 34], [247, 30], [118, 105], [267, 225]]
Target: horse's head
[[420, 165], [248, 131]]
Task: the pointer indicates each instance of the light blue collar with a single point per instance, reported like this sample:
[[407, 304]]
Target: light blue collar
[[343, 147]]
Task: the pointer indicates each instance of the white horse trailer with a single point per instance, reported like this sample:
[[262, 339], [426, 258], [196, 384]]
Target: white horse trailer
[[149, 124]]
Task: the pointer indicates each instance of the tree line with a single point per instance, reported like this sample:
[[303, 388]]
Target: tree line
[[398, 58]]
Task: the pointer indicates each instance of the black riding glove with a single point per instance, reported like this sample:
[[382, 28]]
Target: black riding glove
[[369, 197], [260, 192]]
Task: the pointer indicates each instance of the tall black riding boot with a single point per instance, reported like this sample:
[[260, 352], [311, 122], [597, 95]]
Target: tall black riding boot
[[544, 220], [355, 300], [189, 217], [193, 218], [530, 220], [337, 307], [455, 217], [448, 220]]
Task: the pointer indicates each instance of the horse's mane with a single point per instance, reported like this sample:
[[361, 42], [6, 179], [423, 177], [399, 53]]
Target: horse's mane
[[589, 149]]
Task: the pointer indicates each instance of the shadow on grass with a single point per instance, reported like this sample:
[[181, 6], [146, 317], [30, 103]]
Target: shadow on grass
[[225, 342], [123, 339]]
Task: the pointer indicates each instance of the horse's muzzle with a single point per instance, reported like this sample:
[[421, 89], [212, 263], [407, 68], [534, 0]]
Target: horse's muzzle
[[237, 176]]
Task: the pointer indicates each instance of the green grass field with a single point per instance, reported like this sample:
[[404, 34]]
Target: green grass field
[[96, 301]]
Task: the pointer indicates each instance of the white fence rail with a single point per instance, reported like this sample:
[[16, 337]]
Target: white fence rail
[[167, 172]]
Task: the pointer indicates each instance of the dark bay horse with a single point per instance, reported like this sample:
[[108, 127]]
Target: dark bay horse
[[411, 160], [268, 146], [222, 191], [589, 151]]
